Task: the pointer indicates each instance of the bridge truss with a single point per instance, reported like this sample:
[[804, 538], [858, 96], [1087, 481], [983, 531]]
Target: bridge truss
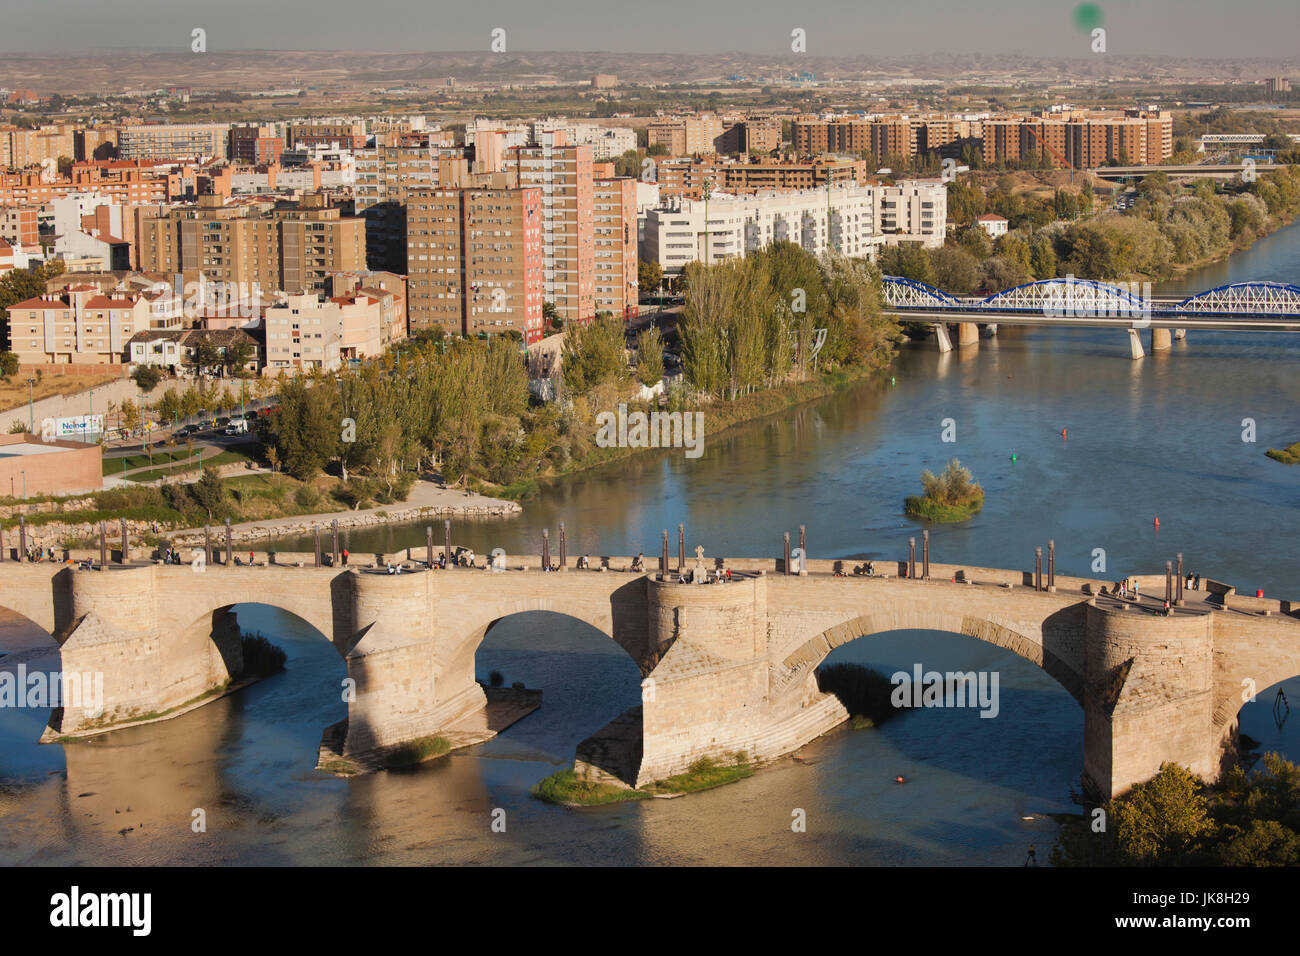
[[1087, 298]]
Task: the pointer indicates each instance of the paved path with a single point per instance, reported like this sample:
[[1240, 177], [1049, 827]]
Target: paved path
[[424, 494]]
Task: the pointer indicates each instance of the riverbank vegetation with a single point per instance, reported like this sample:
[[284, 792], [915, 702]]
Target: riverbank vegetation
[[953, 495], [566, 788], [781, 324], [1290, 455], [1175, 819], [261, 657], [1169, 228]]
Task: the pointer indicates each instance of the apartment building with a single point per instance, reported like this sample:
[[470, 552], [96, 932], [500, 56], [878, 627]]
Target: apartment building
[[686, 136], [255, 144], [18, 225], [564, 175], [606, 142], [350, 134], [896, 136], [178, 348], [615, 238], [385, 177], [389, 288], [173, 140], [687, 177], [851, 220], [87, 143], [1085, 141], [254, 245], [80, 326], [475, 259], [35, 147]]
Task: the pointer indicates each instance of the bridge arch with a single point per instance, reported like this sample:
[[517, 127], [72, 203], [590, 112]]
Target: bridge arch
[[1067, 294], [805, 659], [901, 292], [1271, 298]]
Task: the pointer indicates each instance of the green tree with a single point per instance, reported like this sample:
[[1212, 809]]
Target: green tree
[[648, 275], [8, 364], [649, 356], [594, 354], [955, 269], [1163, 819], [209, 492], [306, 429], [146, 377]]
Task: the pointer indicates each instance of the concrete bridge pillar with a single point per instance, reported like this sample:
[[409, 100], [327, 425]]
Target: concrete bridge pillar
[[705, 695], [1161, 340], [941, 335], [1148, 698], [968, 334], [1135, 344]]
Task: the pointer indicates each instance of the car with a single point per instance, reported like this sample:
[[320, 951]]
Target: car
[[237, 426]]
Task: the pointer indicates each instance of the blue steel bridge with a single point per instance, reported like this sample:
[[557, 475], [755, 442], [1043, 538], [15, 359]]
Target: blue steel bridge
[[1086, 303]]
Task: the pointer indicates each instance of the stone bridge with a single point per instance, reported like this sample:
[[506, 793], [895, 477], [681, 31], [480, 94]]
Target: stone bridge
[[726, 667]]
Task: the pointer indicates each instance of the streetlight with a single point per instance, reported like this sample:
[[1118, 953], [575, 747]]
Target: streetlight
[[31, 407], [24, 474]]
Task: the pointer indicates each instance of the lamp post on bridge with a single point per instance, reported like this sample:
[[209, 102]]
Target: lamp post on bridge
[[1051, 564], [925, 555], [787, 552], [681, 548], [911, 559], [1038, 569], [663, 556]]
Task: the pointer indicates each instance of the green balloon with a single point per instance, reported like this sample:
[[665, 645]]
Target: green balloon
[[1087, 17]]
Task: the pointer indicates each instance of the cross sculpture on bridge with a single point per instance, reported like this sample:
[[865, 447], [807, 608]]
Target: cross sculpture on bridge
[[699, 575]]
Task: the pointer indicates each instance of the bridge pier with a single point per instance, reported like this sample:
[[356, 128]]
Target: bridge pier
[[941, 335], [968, 334], [1161, 340], [1135, 344], [1149, 698]]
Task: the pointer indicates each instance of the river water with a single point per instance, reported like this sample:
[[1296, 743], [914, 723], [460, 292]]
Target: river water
[[1158, 438]]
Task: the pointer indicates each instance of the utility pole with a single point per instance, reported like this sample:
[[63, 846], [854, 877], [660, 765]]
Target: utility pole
[[31, 406]]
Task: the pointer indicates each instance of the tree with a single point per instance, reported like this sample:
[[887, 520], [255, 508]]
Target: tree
[[306, 429], [551, 316], [209, 492], [1162, 819], [594, 354], [649, 356], [146, 377], [8, 364], [130, 413], [955, 269], [648, 275], [236, 356]]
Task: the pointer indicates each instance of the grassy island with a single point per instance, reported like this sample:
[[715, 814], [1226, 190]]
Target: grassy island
[[1290, 455], [951, 496], [568, 789]]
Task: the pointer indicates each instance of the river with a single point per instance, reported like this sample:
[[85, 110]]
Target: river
[[1157, 438]]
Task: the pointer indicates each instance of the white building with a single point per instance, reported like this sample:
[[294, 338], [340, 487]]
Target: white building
[[852, 220], [307, 332], [993, 224]]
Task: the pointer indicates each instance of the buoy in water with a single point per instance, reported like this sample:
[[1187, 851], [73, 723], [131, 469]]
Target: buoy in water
[[1157, 522], [898, 780], [1013, 457], [1062, 432]]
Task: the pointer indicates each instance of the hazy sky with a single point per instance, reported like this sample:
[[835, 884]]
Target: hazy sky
[[1201, 28]]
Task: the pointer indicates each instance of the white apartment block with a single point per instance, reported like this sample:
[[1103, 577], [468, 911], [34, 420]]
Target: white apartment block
[[307, 332], [852, 220]]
